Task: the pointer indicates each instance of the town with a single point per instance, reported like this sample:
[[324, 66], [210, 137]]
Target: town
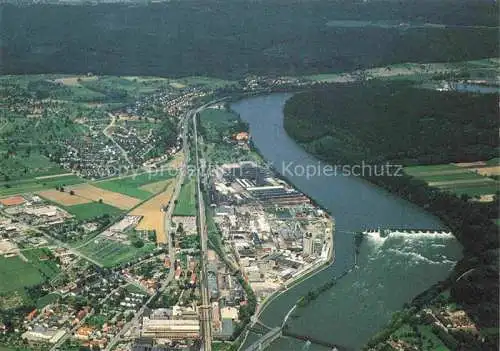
[[143, 217], [109, 251]]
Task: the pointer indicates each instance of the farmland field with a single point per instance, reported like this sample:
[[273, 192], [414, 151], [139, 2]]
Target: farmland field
[[63, 198], [17, 274], [460, 179], [153, 216], [32, 185], [115, 199], [111, 253], [416, 170], [40, 259], [186, 203], [135, 186], [29, 166], [92, 210], [155, 187]]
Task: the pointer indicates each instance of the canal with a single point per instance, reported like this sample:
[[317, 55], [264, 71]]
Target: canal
[[391, 270]]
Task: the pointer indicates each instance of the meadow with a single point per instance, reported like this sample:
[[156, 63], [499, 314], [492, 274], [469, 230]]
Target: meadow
[[186, 203], [92, 209], [17, 274], [421, 334], [111, 253], [22, 186], [216, 122], [135, 186], [460, 180], [41, 260]]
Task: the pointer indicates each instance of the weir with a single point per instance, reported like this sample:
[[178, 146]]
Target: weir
[[386, 232]]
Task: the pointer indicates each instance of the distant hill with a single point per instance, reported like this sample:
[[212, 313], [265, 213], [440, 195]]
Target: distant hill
[[231, 38]]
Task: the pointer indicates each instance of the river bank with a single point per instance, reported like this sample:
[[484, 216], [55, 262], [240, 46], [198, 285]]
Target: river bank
[[425, 143], [356, 205]]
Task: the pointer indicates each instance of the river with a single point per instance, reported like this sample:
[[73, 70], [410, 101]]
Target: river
[[391, 270]]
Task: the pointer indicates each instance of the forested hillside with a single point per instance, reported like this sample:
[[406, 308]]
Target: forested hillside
[[394, 121], [230, 38]]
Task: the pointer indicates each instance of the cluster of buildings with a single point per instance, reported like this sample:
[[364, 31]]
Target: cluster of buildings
[[149, 273], [113, 303], [118, 231], [176, 323], [174, 102], [271, 230], [93, 157], [447, 323], [226, 296], [52, 323], [136, 147], [110, 149], [20, 214], [253, 83], [34, 211]]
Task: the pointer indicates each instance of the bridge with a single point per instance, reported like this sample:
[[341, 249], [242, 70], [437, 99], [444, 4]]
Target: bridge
[[266, 340]]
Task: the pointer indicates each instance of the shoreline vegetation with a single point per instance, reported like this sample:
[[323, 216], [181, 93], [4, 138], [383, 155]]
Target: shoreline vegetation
[[337, 124]]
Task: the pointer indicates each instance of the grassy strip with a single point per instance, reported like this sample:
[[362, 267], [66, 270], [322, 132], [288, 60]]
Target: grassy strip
[[32, 185], [186, 203], [91, 210]]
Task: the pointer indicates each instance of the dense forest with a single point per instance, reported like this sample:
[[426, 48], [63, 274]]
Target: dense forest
[[380, 121], [395, 122], [231, 38]]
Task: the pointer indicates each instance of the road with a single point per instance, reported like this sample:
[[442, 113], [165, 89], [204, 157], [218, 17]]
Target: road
[[206, 327], [167, 222], [205, 308]]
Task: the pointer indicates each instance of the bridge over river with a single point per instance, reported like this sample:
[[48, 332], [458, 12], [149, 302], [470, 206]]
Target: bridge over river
[[269, 335]]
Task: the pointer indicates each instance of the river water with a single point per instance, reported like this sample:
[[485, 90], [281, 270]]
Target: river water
[[391, 270]]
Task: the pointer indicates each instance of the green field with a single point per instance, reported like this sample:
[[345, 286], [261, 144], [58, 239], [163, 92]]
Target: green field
[[218, 117], [111, 253], [131, 185], [132, 86], [29, 165], [17, 274], [47, 299], [480, 189], [40, 259], [92, 210], [452, 177], [457, 180], [217, 123], [186, 203], [32, 185], [415, 170]]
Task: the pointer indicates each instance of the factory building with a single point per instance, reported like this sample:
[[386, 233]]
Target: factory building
[[307, 244], [170, 328], [277, 195]]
